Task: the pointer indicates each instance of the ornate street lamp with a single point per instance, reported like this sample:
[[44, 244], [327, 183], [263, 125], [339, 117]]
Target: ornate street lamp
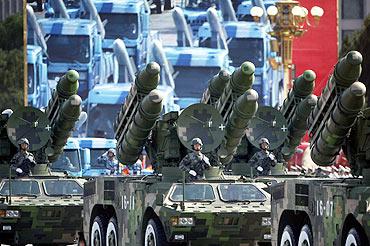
[[288, 20]]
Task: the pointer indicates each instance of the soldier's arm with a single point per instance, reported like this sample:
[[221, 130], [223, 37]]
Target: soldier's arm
[[206, 164], [253, 160], [32, 159], [13, 161], [184, 164]]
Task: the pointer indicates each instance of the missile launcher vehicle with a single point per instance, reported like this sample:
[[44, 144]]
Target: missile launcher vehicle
[[317, 211], [41, 208], [162, 209]]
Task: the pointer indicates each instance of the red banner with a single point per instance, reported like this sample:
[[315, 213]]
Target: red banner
[[317, 49]]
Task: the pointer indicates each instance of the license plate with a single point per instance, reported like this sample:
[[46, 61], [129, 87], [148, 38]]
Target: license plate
[[7, 228]]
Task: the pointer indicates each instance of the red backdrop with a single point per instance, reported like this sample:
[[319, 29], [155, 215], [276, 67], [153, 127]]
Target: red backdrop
[[317, 49]]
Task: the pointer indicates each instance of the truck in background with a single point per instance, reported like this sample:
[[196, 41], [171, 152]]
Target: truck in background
[[241, 34]]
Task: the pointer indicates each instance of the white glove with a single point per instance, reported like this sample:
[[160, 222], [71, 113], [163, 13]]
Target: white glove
[[31, 158], [193, 173], [272, 157], [259, 168], [18, 170]]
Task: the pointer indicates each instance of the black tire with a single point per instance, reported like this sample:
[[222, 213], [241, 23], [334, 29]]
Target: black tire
[[97, 232], [353, 238], [287, 237], [154, 234], [112, 233], [305, 236], [168, 4]]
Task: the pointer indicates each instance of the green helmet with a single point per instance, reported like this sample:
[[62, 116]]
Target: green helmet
[[196, 141], [23, 141]]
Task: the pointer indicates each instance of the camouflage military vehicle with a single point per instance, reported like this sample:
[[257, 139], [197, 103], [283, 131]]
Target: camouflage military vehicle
[[162, 209], [35, 209], [314, 211]]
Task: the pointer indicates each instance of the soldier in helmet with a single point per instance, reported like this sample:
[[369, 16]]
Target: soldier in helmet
[[23, 161], [195, 162], [110, 160], [263, 159]]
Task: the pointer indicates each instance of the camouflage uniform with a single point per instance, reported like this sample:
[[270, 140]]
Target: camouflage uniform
[[23, 160], [112, 165], [196, 162], [264, 159]]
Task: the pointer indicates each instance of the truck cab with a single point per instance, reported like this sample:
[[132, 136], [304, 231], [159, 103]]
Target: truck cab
[[70, 161], [38, 89], [96, 147], [76, 44], [269, 79], [193, 67], [129, 21]]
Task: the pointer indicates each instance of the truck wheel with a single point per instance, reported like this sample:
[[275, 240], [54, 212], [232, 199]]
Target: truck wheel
[[305, 237], [353, 238], [111, 236], [287, 239], [154, 234], [97, 233]]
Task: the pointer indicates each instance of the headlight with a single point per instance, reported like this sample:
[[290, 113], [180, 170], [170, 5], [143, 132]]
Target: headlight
[[186, 221], [182, 221], [12, 214], [266, 221]]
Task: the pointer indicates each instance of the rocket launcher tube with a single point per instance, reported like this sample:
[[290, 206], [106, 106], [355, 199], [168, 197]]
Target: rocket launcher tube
[[336, 128], [65, 122], [216, 86], [244, 109], [302, 87], [298, 125], [146, 80], [240, 81], [66, 87], [149, 111], [346, 72]]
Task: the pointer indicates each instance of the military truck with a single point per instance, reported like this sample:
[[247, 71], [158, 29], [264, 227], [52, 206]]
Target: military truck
[[190, 63], [126, 20], [161, 208], [34, 209], [240, 34], [316, 211]]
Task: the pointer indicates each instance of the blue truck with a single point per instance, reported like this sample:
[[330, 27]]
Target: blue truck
[[39, 91], [128, 20], [241, 34], [193, 66]]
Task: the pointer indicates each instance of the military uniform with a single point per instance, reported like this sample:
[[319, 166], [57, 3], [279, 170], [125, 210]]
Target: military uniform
[[197, 162], [112, 165], [23, 160], [264, 159]]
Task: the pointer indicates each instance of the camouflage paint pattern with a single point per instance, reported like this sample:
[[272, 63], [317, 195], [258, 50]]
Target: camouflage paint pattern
[[327, 206], [43, 219], [133, 201]]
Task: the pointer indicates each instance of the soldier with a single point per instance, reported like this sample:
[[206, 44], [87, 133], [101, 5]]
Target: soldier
[[195, 162], [110, 160], [23, 161], [263, 159]]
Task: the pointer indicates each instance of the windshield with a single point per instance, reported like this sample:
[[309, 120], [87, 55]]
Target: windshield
[[240, 193], [68, 48], [31, 76], [20, 188], [246, 49], [69, 161], [192, 81], [62, 187], [202, 5], [95, 154], [100, 120], [120, 25], [193, 192]]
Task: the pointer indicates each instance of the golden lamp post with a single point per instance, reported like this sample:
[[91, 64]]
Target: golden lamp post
[[288, 20]]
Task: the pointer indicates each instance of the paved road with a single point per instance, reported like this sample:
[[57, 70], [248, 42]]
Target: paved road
[[166, 27]]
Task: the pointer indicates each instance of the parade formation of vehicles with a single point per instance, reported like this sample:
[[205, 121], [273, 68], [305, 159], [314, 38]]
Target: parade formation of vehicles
[[226, 208]]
